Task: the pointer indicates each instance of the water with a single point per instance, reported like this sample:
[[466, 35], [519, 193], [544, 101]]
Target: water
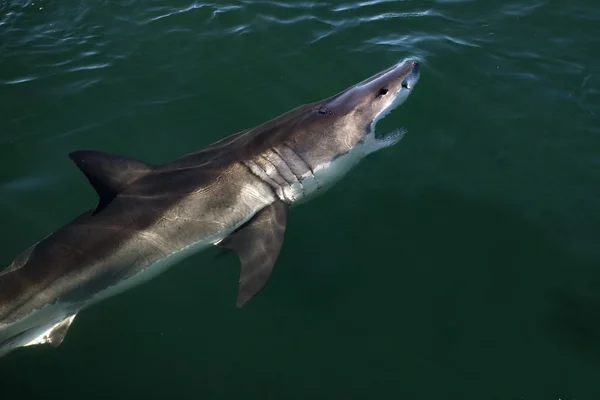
[[462, 263]]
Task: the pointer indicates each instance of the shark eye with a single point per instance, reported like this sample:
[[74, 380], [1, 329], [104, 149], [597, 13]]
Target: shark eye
[[382, 92]]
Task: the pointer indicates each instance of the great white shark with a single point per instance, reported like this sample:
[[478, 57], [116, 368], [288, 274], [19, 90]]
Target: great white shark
[[234, 194]]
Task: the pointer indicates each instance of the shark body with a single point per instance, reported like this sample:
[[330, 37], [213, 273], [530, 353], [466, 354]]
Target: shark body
[[234, 194]]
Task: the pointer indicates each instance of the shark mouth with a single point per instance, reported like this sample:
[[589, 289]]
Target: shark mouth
[[397, 134]]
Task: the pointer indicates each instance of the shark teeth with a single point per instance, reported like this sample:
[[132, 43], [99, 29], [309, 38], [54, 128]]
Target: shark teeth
[[392, 138]]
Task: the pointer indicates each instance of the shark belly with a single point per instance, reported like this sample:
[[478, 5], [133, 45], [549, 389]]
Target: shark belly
[[155, 269]]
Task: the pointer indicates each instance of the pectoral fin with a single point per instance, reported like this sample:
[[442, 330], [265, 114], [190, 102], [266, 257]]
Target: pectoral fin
[[55, 335], [257, 244]]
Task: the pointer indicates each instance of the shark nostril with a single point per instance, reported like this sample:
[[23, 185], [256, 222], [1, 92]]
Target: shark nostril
[[405, 84]]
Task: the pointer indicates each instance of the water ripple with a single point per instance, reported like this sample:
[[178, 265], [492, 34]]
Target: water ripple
[[361, 4], [393, 15], [169, 11], [413, 39], [78, 86], [89, 67], [291, 4], [20, 80], [175, 11], [28, 183], [294, 20], [521, 10]]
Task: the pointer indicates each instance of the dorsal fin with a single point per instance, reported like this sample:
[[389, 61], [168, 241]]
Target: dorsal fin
[[109, 174]]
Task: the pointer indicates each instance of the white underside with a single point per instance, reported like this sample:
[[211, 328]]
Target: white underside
[[151, 271], [326, 175]]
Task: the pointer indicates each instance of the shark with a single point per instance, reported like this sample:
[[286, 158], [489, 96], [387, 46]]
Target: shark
[[234, 194]]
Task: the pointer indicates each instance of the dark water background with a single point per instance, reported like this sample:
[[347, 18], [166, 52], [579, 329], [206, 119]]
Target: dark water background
[[462, 263]]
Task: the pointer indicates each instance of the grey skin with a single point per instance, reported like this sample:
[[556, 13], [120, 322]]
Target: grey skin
[[234, 194]]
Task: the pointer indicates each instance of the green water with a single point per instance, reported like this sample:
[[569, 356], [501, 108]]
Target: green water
[[462, 263]]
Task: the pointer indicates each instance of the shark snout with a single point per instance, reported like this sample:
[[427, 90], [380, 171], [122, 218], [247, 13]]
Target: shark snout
[[416, 67], [412, 78]]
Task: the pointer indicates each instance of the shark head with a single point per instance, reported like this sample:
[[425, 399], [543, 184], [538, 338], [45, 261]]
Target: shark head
[[340, 130], [317, 143], [361, 106]]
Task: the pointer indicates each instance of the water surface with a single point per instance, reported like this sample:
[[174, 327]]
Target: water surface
[[462, 263]]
